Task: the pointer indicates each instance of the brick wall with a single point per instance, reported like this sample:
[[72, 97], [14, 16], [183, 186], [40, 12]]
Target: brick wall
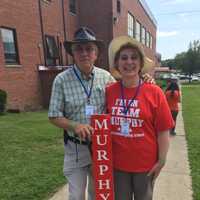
[[135, 8], [98, 16], [22, 82]]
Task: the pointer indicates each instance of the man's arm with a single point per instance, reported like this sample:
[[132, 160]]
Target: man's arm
[[82, 130]]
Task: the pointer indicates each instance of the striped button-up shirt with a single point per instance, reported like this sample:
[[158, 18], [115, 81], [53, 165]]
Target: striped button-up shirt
[[68, 99]]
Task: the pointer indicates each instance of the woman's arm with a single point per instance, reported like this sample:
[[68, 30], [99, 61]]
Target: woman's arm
[[163, 146]]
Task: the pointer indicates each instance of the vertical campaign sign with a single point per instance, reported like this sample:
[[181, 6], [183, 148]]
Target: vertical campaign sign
[[102, 157]]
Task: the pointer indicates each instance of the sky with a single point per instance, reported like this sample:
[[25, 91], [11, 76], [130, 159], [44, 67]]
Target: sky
[[178, 23]]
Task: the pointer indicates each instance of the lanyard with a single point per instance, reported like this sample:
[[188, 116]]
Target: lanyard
[[134, 97], [88, 93]]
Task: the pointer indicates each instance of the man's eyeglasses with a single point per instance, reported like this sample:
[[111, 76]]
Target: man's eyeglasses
[[80, 49]]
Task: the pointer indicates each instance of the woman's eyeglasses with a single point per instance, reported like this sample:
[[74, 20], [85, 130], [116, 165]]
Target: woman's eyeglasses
[[126, 57]]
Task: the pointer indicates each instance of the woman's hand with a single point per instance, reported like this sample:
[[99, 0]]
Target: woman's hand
[[155, 171]]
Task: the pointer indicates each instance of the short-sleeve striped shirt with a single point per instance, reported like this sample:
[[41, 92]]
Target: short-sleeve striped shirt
[[69, 99]]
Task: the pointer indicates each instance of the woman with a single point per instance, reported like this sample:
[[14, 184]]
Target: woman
[[173, 98], [140, 123]]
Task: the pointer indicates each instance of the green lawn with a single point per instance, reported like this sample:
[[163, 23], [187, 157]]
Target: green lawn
[[191, 115], [31, 151], [31, 157]]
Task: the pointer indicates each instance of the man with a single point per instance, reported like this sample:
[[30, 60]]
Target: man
[[77, 93]]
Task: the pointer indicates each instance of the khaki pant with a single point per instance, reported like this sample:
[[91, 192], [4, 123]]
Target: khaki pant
[[128, 185], [77, 181]]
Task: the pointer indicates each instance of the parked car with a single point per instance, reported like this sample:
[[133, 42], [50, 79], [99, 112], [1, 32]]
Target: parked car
[[195, 78]]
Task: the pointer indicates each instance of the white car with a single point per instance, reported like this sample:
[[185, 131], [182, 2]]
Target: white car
[[195, 78]]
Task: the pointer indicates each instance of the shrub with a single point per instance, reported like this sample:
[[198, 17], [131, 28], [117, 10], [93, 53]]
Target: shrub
[[3, 99]]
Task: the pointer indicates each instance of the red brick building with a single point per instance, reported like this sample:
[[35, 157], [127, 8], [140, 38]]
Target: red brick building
[[32, 33]]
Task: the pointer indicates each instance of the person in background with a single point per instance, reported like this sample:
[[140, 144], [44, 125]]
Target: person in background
[[140, 123], [173, 98]]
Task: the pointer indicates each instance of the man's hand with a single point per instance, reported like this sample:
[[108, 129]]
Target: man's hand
[[83, 131], [148, 78]]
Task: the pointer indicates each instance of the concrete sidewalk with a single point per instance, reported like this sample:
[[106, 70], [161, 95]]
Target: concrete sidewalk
[[174, 182]]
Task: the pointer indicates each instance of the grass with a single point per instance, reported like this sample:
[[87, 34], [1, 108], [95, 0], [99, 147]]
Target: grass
[[31, 157], [162, 83], [191, 83], [31, 151], [191, 115]]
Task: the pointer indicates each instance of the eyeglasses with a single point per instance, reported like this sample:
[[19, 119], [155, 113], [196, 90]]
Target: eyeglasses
[[132, 57], [81, 49]]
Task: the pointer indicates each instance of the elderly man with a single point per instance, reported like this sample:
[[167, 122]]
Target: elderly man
[[77, 93]]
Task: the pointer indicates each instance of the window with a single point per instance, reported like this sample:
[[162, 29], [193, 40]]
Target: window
[[143, 36], [138, 31], [10, 45], [47, 1], [147, 39], [118, 6], [72, 6], [151, 42], [130, 25], [51, 50]]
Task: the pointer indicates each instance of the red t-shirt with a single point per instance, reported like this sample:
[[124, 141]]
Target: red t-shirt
[[173, 100], [148, 115]]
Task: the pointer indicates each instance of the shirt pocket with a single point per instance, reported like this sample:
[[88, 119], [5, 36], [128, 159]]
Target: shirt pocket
[[75, 104], [98, 98]]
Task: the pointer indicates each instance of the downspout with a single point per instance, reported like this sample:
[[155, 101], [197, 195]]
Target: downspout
[[64, 28], [42, 32]]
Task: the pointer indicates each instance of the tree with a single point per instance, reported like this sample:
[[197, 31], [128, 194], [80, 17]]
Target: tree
[[188, 62], [169, 63], [193, 55], [180, 61]]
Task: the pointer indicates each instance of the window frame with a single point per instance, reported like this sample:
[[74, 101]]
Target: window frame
[[72, 7], [151, 41], [47, 1], [140, 32], [148, 39], [14, 35], [118, 6], [48, 57], [143, 35], [132, 28]]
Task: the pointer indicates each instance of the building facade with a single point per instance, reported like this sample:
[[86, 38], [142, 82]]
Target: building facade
[[32, 33]]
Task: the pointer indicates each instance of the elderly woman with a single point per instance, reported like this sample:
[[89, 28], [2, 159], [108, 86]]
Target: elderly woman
[[140, 123]]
